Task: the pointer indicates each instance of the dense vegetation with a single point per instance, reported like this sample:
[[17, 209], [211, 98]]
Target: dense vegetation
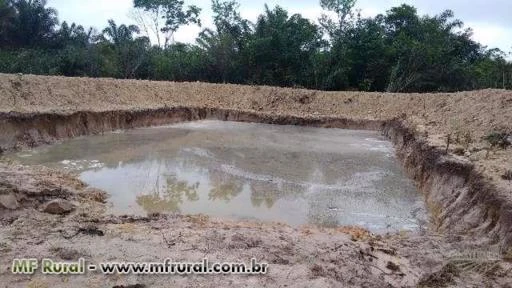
[[396, 51]]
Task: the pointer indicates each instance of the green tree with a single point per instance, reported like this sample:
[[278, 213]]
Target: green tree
[[7, 16], [26, 23], [342, 9], [73, 35], [225, 46], [493, 70], [131, 52], [74, 45], [429, 53], [336, 66], [283, 48], [367, 55], [399, 51], [173, 12], [180, 62]]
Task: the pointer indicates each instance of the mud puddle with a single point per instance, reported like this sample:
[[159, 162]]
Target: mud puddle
[[294, 175]]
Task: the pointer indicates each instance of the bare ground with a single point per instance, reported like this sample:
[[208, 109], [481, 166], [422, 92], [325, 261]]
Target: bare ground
[[304, 257]]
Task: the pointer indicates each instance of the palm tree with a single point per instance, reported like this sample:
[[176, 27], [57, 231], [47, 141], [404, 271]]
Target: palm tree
[[7, 14], [32, 25], [119, 35], [74, 35], [131, 52]]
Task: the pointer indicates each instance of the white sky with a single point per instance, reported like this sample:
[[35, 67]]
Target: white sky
[[490, 20]]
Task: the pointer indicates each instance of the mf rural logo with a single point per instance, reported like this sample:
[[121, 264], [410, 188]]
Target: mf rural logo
[[48, 266]]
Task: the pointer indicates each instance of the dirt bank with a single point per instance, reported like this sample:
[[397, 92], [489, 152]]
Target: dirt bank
[[468, 199], [460, 199], [32, 129]]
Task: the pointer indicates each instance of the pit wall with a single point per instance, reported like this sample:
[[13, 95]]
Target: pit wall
[[460, 200]]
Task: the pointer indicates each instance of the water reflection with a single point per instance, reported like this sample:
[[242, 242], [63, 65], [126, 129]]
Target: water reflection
[[223, 187], [326, 177], [171, 198], [265, 194]]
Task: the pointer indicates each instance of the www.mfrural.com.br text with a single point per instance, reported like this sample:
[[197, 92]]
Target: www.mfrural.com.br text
[[166, 267]]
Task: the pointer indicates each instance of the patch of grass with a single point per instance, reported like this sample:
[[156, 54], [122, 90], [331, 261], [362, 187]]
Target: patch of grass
[[459, 151], [460, 133], [498, 139]]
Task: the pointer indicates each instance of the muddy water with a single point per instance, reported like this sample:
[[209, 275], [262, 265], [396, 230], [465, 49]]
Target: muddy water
[[294, 175]]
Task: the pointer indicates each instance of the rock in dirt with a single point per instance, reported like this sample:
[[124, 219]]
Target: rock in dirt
[[478, 156], [9, 201], [58, 206], [392, 266], [94, 195], [91, 230], [66, 253]]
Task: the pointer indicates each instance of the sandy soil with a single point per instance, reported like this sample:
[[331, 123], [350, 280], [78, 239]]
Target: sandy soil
[[304, 257]]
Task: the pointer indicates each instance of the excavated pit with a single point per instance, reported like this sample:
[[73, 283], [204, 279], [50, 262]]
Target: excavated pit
[[290, 174], [459, 199]]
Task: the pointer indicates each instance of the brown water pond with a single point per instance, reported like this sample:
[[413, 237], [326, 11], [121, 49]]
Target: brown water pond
[[294, 175]]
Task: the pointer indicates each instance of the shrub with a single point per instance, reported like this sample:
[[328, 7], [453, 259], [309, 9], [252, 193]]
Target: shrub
[[498, 139], [459, 151]]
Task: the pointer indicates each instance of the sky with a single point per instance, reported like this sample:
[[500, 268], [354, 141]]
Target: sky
[[490, 19]]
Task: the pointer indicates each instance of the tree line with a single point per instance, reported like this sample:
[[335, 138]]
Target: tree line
[[398, 51]]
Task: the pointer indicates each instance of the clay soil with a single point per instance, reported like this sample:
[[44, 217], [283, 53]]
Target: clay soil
[[298, 257]]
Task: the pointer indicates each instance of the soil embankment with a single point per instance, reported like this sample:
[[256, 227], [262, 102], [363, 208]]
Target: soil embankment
[[469, 201]]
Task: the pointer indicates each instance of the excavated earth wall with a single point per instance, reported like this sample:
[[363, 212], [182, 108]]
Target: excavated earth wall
[[459, 198]]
